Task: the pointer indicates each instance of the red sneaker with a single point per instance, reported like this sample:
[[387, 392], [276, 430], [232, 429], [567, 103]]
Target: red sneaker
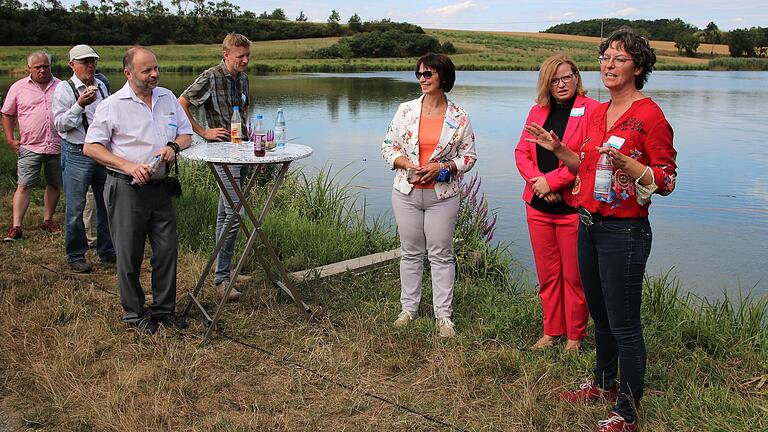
[[616, 423], [13, 234], [589, 392], [50, 226]]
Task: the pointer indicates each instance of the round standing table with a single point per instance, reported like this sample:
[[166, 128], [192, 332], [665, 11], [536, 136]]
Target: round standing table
[[220, 155]]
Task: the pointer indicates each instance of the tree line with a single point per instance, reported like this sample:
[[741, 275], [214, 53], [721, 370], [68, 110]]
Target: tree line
[[751, 42], [150, 22]]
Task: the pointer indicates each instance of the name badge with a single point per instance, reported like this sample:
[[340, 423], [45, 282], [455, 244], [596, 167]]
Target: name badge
[[577, 112], [616, 142], [451, 122]]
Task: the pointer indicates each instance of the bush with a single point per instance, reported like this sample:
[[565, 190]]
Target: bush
[[448, 48], [390, 43]]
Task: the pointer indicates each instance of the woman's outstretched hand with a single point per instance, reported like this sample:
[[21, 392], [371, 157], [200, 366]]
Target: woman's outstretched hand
[[547, 139]]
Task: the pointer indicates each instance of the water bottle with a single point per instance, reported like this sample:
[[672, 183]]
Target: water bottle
[[280, 129], [152, 168], [604, 177], [236, 134], [258, 136]]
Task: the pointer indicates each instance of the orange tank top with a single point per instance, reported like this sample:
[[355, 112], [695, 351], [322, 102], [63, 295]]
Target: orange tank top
[[429, 135]]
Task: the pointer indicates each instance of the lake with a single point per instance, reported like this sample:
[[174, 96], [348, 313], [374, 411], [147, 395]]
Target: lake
[[711, 231]]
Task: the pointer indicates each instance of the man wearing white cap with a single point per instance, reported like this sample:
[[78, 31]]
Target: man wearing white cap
[[74, 105]]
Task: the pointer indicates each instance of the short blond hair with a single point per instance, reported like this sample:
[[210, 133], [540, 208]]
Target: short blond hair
[[235, 40], [548, 70]]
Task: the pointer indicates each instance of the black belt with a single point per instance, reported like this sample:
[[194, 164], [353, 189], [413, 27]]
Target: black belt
[[588, 218], [129, 179]]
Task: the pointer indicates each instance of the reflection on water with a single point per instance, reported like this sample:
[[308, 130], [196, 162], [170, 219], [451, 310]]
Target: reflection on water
[[711, 231]]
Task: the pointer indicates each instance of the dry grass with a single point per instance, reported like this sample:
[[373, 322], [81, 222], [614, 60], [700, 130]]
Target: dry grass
[[662, 46], [67, 363]]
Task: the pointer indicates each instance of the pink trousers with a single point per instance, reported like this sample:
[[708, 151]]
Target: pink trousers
[[553, 238]]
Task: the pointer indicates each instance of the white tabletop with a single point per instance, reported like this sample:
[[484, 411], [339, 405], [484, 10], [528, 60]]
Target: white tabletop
[[229, 153]]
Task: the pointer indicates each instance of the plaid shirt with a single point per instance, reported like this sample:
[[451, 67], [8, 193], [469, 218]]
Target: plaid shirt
[[218, 92]]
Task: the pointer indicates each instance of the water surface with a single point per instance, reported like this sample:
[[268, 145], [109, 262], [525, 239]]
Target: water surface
[[711, 231]]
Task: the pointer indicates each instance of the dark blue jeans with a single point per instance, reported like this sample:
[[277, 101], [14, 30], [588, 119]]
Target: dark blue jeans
[[612, 257], [79, 172]]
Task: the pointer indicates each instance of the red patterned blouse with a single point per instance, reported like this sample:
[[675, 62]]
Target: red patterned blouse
[[648, 139]]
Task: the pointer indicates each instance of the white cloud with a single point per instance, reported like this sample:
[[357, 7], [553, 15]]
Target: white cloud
[[624, 12], [569, 14], [454, 9]]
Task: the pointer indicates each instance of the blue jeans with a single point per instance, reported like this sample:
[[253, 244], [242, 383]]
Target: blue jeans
[[224, 258], [79, 172], [612, 257]]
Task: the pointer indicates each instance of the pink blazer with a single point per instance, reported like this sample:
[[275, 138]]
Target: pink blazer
[[561, 179]]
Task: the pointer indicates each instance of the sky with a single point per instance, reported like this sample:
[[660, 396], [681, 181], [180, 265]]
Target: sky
[[523, 15], [500, 15]]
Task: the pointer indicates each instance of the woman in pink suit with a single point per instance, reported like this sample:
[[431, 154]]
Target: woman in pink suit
[[552, 220]]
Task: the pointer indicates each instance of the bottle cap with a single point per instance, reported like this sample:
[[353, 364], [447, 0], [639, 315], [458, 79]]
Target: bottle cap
[[236, 108], [259, 117]]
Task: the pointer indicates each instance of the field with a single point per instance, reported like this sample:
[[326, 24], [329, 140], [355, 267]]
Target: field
[[476, 51], [67, 363]]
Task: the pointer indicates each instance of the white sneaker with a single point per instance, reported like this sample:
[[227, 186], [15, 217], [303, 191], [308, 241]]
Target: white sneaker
[[404, 318], [445, 327]]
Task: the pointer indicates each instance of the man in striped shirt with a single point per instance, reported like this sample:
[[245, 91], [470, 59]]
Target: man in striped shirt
[[218, 90]]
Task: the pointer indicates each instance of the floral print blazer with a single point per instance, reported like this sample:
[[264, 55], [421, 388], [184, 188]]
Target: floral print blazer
[[457, 144]]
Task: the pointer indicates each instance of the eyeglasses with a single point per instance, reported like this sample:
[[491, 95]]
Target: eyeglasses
[[89, 60], [618, 61], [554, 82], [426, 74]]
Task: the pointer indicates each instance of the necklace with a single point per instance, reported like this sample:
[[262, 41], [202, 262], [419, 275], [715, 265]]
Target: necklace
[[431, 111]]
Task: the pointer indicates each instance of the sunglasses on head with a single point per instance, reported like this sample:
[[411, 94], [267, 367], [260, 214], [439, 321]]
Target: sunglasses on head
[[426, 74]]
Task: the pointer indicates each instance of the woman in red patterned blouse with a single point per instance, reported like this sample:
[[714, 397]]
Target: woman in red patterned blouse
[[614, 233]]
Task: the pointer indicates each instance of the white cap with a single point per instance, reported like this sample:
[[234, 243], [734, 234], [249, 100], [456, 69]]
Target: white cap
[[79, 52]]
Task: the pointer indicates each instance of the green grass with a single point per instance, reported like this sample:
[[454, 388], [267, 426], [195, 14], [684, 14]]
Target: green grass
[[476, 51], [739, 64]]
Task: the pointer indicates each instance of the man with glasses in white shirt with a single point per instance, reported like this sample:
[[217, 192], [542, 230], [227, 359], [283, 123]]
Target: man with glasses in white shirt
[[139, 124], [74, 104]]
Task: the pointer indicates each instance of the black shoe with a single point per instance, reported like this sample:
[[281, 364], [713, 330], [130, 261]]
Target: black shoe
[[109, 259], [144, 326], [80, 266], [171, 320]]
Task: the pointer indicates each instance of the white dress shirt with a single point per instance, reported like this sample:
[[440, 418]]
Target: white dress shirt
[[68, 114], [128, 128]]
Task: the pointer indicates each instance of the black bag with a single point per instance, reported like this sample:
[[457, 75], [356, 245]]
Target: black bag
[[172, 185]]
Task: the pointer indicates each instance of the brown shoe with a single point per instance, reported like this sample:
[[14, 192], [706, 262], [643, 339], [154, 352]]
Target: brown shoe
[[543, 343], [221, 288], [14, 233], [50, 226]]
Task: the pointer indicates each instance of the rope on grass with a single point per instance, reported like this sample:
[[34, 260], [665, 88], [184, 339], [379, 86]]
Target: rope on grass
[[286, 360]]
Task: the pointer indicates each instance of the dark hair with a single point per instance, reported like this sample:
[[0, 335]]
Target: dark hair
[[444, 67], [638, 47]]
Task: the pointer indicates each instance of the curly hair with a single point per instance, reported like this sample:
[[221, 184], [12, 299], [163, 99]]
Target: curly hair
[[638, 47]]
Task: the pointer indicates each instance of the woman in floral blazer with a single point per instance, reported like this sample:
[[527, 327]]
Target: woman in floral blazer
[[430, 145]]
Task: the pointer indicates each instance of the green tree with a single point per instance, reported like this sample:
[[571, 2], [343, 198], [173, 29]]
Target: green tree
[[301, 17], [278, 14], [11, 4], [224, 9], [333, 22], [712, 35], [82, 7], [355, 23], [740, 44], [687, 42]]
